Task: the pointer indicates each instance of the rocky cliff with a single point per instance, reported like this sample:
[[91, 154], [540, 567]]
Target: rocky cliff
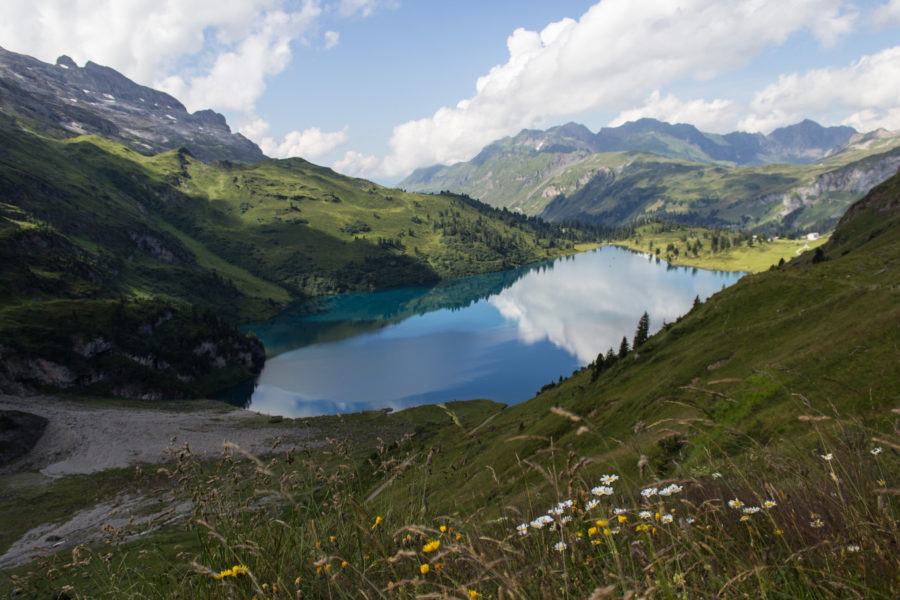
[[70, 100]]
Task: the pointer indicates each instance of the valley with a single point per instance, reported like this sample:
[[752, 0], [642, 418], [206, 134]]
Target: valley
[[740, 438]]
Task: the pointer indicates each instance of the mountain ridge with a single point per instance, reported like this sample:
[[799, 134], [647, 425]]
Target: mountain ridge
[[69, 100]]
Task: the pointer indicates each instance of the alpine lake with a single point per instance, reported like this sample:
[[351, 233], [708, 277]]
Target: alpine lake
[[500, 336]]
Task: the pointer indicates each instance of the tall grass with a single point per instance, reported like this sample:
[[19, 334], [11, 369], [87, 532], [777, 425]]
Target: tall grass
[[816, 520]]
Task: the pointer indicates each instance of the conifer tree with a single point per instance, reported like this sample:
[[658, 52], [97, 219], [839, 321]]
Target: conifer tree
[[623, 347], [642, 332]]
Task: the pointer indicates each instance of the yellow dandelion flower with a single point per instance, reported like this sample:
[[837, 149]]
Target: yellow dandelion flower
[[443, 529], [327, 566], [458, 537], [378, 521], [332, 539], [595, 542], [424, 568], [438, 566], [622, 519], [592, 531], [343, 564], [601, 523], [779, 532], [431, 546], [473, 594], [319, 570], [607, 531]]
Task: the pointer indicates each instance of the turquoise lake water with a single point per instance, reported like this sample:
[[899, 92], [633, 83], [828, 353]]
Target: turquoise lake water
[[500, 336]]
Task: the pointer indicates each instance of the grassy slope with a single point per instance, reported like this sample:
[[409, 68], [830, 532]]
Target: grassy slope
[[677, 244], [810, 339], [757, 384]]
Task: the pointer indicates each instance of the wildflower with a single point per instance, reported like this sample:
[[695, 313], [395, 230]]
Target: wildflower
[[424, 568], [671, 489], [642, 527], [556, 511], [592, 531], [565, 519], [735, 503], [344, 564], [332, 539], [378, 521], [716, 475], [853, 548], [601, 522], [443, 529], [431, 546], [473, 594], [745, 517], [619, 511], [875, 451], [651, 491], [667, 519], [769, 503], [882, 482], [827, 457], [235, 571], [779, 532], [645, 514], [622, 519], [327, 566], [609, 479], [560, 546], [522, 528], [608, 532], [592, 503], [816, 523], [596, 542], [438, 566], [458, 537], [616, 530], [750, 510], [690, 520], [602, 490]]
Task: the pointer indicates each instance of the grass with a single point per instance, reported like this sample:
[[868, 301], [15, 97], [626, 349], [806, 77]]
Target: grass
[[683, 245]]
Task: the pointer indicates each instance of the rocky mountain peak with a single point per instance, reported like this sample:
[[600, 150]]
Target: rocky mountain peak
[[66, 99]]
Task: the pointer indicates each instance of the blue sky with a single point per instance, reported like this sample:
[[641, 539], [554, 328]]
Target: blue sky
[[377, 88]]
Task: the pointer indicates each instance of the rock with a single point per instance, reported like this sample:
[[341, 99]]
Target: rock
[[19, 432]]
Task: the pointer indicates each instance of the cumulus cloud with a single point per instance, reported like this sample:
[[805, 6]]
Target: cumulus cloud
[[868, 89], [887, 15], [717, 115], [231, 45], [310, 143], [364, 8], [356, 164], [616, 54], [331, 39]]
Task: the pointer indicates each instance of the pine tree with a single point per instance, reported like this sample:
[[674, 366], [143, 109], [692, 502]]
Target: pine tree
[[623, 347], [642, 332]]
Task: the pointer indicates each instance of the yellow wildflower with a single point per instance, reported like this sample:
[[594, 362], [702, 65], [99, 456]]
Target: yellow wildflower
[[327, 566], [592, 531], [443, 529], [473, 594], [431, 546], [343, 564], [622, 519], [602, 523], [458, 537], [424, 568], [378, 521]]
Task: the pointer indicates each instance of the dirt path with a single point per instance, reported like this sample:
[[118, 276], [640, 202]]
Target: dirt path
[[81, 438], [85, 438]]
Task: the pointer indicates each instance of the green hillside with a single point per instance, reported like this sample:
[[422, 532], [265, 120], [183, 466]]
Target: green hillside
[[88, 223], [749, 449], [614, 188]]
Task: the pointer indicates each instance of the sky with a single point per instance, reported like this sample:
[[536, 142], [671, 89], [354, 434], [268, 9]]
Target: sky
[[378, 88]]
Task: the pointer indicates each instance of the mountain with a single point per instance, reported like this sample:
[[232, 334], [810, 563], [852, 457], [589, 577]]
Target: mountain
[[126, 273], [652, 169], [67, 100]]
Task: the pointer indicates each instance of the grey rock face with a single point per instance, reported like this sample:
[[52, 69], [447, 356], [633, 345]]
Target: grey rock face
[[66, 99]]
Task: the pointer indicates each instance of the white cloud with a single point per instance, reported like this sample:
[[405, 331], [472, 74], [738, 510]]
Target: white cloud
[[232, 45], [310, 143], [617, 53], [887, 15], [356, 164], [331, 39], [365, 8], [868, 89], [717, 116]]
